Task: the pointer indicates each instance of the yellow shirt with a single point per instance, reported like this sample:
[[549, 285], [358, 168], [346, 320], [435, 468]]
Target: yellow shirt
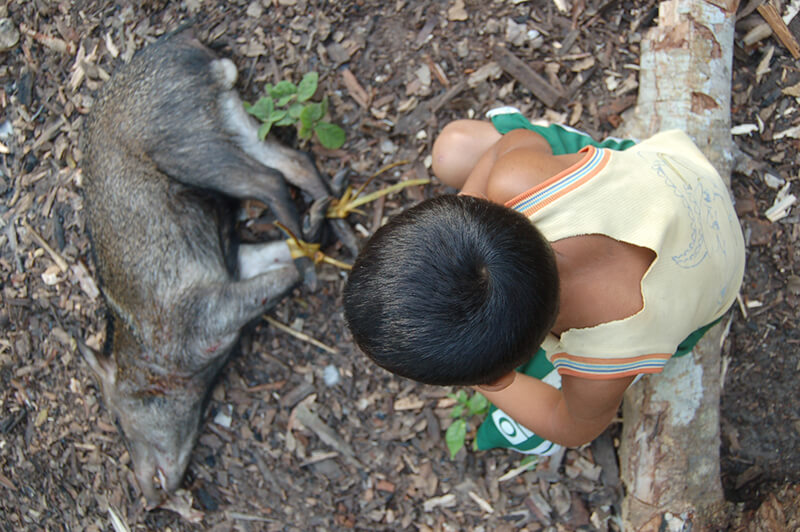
[[661, 194]]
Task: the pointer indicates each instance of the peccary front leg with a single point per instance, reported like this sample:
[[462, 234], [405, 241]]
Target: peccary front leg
[[297, 167], [211, 162]]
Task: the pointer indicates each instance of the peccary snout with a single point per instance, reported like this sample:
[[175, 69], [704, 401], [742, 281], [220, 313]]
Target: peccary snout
[[158, 421]]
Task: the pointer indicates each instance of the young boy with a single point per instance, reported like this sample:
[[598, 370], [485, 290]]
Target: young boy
[[606, 255]]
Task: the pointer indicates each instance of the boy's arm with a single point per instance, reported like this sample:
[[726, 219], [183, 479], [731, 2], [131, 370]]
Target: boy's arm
[[572, 416]]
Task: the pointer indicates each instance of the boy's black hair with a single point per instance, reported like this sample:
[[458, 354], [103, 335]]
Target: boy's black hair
[[454, 291]]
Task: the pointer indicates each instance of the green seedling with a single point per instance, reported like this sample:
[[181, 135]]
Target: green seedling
[[300, 248], [465, 407], [286, 104], [341, 208], [351, 200]]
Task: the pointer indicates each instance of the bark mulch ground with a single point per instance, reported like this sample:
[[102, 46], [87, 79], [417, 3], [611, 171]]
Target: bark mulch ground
[[299, 437]]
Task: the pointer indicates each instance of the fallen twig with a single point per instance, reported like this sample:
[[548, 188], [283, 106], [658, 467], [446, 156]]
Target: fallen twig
[[58, 259], [779, 28], [247, 517], [508, 475], [313, 423], [350, 201], [535, 83], [297, 334], [116, 520], [54, 43]]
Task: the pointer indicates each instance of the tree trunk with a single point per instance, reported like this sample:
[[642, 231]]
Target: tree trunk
[[669, 454]]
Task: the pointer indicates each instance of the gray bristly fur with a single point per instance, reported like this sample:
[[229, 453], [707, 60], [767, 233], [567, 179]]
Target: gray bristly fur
[[168, 149]]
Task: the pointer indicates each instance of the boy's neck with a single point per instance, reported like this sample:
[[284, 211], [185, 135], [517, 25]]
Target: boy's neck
[[599, 280], [565, 270], [579, 272]]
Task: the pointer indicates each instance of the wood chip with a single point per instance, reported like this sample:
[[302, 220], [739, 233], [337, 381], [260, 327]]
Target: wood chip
[[4, 480], [57, 258], [512, 473], [297, 334], [489, 70], [773, 18], [413, 122], [457, 11], [116, 520], [385, 485], [539, 507], [327, 435], [54, 43], [355, 89], [181, 503], [743, 129], [485, 506], [758, 33], [79, 274], [782, 204], [411, 402], [443, 501], [538, 86]]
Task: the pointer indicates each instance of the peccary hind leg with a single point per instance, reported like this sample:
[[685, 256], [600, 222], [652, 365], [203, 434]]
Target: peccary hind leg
[[230, 305]]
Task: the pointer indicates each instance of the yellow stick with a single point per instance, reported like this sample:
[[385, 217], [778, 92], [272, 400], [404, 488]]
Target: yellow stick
[[297, 334]]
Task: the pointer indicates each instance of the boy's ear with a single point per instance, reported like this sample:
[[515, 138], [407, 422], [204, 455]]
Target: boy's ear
[[500, 384]]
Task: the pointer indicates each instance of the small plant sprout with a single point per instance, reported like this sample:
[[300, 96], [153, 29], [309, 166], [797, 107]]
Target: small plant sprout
[[465, 407], [300, 248], [341, 208], [286, 104], [350, 201]]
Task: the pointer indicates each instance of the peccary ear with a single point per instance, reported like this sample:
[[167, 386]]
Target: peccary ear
[[104, 367]]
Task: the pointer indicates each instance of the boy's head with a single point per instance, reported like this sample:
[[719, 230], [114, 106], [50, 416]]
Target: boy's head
[[455, 291]]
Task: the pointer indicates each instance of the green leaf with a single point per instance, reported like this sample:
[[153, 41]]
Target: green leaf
[[307, 86], [283, 100], [306, 117], [316, 112], [457, 411], [477, 404], [455, 436], [263, 131], [324, 104], [282, 89], [461, 397], [247, 106], [330, 135], [295, 109], [262, 109], [278, 115], [305, 132], [285, 121]]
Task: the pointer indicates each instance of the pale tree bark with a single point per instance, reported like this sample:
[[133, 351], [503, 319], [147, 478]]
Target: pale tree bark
[[669, 453]]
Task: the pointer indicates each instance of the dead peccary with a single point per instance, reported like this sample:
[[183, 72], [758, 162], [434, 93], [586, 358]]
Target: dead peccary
[[168, 151]]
